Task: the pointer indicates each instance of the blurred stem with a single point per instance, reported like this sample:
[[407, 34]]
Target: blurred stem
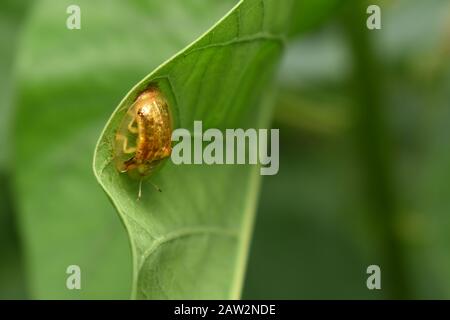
[[12, 270], [374, 149], [310, 115]]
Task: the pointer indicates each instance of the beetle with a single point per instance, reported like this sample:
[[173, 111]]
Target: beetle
[[143, 138]]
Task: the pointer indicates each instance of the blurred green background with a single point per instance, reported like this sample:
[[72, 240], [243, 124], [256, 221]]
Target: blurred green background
[[364, 118]]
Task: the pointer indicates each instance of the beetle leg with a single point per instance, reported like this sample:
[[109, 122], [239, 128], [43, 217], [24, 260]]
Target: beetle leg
[[165, 153], [130, 110], [132, 128], [125, 147], [140, 189]]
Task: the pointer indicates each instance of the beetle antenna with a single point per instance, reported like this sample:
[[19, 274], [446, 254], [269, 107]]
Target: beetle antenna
[[140, 188], [156, 187]]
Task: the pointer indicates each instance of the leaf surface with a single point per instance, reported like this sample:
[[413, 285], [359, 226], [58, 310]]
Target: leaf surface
[[191, 240]]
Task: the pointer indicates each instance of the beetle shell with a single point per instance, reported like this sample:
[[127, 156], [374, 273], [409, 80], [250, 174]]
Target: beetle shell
[[143, 138]]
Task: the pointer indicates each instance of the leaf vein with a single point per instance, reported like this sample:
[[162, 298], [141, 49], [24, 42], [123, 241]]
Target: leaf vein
[[262, 36], [186, 232]]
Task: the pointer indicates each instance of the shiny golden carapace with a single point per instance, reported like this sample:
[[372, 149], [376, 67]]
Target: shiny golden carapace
[[143, 139]]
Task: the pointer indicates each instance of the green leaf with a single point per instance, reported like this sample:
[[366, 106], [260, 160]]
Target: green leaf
[[191, 240], [67, 82]]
